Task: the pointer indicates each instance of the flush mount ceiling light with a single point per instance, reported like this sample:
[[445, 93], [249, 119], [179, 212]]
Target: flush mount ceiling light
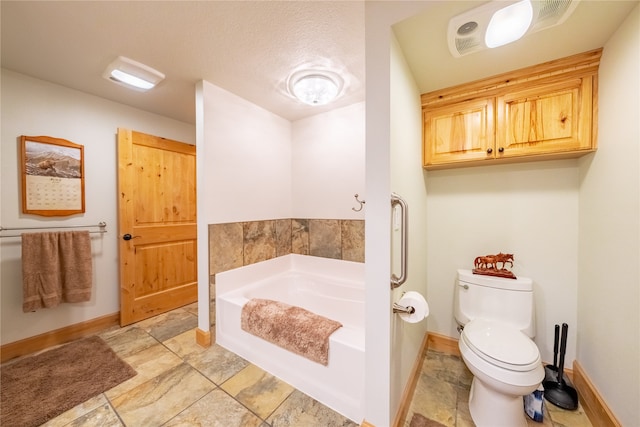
[[132, 74], [315, 87], [480, 28]]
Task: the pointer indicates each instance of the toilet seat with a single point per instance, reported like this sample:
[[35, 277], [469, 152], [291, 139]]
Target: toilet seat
[[501, 345]]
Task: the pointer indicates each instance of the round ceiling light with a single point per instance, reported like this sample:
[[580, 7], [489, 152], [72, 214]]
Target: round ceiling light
[[315, 87]]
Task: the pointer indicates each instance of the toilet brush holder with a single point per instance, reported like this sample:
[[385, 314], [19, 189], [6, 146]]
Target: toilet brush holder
[[556, 390], [551, 371]]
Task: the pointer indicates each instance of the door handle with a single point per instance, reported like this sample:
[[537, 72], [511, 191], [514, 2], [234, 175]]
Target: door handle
[[129, 237]]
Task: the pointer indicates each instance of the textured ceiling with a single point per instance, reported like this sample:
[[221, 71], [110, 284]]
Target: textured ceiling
[[250, 47]]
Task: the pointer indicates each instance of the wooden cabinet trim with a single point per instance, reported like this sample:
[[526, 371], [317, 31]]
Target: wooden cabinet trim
[[576, 66]]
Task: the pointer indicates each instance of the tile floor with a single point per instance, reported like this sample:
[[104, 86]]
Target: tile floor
[[442, 394], [182, 384]]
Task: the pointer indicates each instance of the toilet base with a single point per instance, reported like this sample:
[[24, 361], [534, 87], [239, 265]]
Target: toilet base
[[489, 408]]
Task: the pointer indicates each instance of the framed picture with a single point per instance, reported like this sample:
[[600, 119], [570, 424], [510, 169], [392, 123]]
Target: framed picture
[[52, 176]]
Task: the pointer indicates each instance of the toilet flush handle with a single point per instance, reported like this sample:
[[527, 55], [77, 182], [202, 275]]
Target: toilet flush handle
[[465, 286]]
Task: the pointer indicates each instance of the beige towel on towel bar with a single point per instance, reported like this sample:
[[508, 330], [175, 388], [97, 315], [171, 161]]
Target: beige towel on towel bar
[[56, 267]]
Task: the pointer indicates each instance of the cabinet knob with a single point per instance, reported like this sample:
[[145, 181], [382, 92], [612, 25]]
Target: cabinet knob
[[489, 150], [501, 149]]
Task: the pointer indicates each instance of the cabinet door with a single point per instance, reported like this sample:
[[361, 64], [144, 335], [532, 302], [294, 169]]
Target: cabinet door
[[554, 118], [459, 133]]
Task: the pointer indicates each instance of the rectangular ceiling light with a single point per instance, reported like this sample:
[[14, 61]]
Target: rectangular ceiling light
[[132, 74], [509, 24]]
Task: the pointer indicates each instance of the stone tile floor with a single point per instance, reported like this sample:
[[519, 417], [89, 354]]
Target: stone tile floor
[[442, 395], [180, 383]]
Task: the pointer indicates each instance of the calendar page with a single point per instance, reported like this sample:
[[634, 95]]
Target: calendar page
[[51, 193]]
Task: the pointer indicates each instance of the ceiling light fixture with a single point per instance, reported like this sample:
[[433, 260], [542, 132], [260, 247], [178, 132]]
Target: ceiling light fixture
[[315, 87], [509, 24], [482, 27], [132, 74]]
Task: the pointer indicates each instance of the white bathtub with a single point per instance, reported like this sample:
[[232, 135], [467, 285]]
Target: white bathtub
[[328, 287]]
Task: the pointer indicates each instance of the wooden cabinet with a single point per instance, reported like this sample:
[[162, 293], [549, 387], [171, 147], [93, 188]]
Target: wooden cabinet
[[554, 118], [541, 112], [461, 131]]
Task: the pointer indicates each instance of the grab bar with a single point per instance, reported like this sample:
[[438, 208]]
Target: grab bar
[[395, 280]]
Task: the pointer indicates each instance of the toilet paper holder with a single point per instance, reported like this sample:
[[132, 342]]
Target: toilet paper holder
[[397, 308], [411, 307]]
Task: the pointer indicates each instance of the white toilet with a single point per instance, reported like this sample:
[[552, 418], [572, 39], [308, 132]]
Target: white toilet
[[497, 321]]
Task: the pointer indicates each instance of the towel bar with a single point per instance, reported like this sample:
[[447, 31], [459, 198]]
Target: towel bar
[[102, 225]]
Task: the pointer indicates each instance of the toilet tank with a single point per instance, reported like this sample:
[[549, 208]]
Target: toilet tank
[[495, 298]]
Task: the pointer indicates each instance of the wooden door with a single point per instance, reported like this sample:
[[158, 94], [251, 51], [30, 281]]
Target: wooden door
[[552, 118], [157, 225], [458, 133]]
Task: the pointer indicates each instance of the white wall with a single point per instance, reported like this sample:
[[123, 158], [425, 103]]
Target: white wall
[[261, 166], [327, 165], [34, 107], [408, 181], [380, 366], [377, 220], [247, 160], [609, 294], [530, 210]]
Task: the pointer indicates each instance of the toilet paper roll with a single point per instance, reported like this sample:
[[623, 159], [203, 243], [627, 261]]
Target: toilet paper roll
[[417, 301]]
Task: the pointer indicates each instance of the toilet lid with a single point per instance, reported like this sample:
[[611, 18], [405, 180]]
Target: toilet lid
[[501, 344]]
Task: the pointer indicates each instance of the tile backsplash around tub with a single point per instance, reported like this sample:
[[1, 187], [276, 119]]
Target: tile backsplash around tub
[[236, 244]]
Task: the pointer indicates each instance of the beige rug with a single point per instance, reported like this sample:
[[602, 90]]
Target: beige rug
[[290, 327], [40, 387]]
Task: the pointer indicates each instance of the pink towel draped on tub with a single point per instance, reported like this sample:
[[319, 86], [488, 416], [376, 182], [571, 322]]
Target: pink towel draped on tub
[[56, 267]]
